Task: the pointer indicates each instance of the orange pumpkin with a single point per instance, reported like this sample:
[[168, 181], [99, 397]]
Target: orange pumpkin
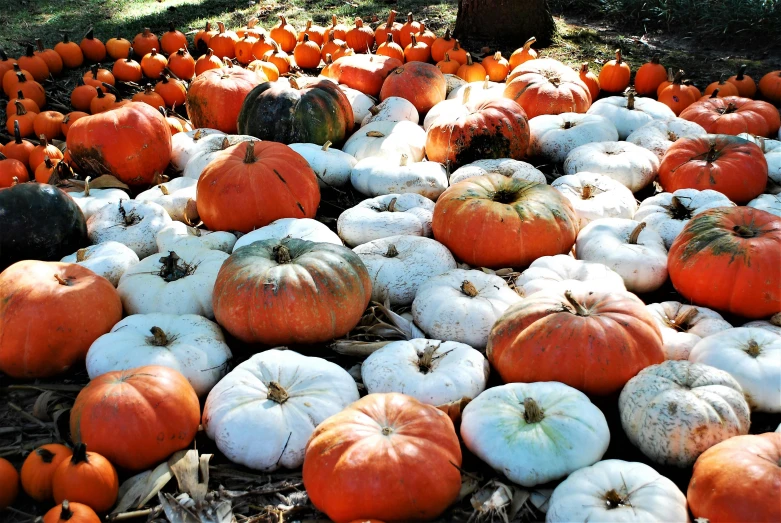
[[251, 29], [360, 37], [725, 88], [458, 54], [590, 79], [68, 512], [243, 49], [307, 53], [127, 69], [6, 63], [471, 71], [149, 97], [30, 88], [770, 87], [28, 104], [172, 40], [9, 484], [365, 461], [734, 115], [224, 42], [268, 69], [390, 48], [48, 123], [182, 64], [35, 64], [82, 95], [153, 64], [265, 195], [417, 51], [279, 58], [337, 31], [496, 67], [38, 470], [677, 96], [366, 73], [262, 45], [12, 77], [746, 85], [425, 35], [215, 98], [693, 89], [50, 56], [315, 33], [202, 37], [87, 477], [330, 47], [102, 102], [207, 62], [132, 142], [97, 76], [649, 77], [523, 54], [614, 75], [69, 120], [93, 49], [12, 171], [44, 172], [594, 341], [70, 52], [23, 120], [136, 418], [284, 35], [727, 259], [32, 349], [448, 66], [547, 87], [173, 91], [118, 48], [442, 46], [390, 27], [40, 152], [421, 83], [409, 28], [144, 42], [18, 149]]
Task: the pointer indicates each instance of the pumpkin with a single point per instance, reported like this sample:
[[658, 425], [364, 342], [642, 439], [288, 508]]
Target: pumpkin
[[71, 512], [746, 85], [19, 150], [172, 40], [91, 201], [625, 162], [118, 48], [616, 490], [41, 151], [87, 478], [461, 306], [420, 83], [45, 171], [132, 142], [177, 197], [173, 91], [658, 135], [265, 67], [734, 115], [30, 105], [770, 86], [263, 45], [144, 42], [563, 272], [683, 326], [737, 480], [215, 98], [349, 453], [38, 470], [182, 64], [336, 31], [207, 62], [546, 86], [6, 63], [503, 166], [70, 52], [47, 123], [28, 87], [496, 67], [82, 95], [365, 73], [133, 223], [39, 222], [315, 33], [448, 66], [535, 433], [299, 228], [177, 235], [675, 95], [12, 172], [607, 337], [341, 288], [676, 410], [103, 102], [279, 58], [387, 215], [417, 51], [554, 136], [331, 166], [9, 484], [202, 37], [385, 139], [294, 393], [629, 113], [284, 34], [317, 113], [596, 196], [307, 53], [127, 70], [153, 64], [732, 166], [614, 75], [390, 27], [108, 259], [489, 129], [493, 221], [523, 54], [154, 404], [34, 64], [721, 88], [94, 50], [590, 79], [649, 77], [97, 76], [208, 150], [50, 56], [360, 37], [21, 120]]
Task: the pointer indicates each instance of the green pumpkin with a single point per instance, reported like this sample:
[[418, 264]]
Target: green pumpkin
[[317, 113], [39, 222]]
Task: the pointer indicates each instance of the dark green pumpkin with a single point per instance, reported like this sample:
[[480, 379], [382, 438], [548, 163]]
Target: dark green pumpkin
[[39, 222], [317, 113]]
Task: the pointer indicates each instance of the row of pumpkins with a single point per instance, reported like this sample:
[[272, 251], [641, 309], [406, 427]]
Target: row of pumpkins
[[264, 270]]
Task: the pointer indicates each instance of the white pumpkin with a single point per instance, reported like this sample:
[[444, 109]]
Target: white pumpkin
[[360, 102], [208, 149], [387, 215], [772, 150], [392, 109], [133, 223], [185, 145], [683, 326], [187, 343], [399, 265], [771, 325], [431, 371], [752, 357], [108, 259], [180, 282], [91, 201], [553, 136], [300, 228], [177, 197], [462, 305], [388, 140], [481, 91], [379, 175], [767, 202], [504, 166], [658, 135], [676, 410], [453, 82], [594, 196], [617, 491], [561, 273], [668, 213], [262, 413], [629, 113], [331, 166], [177, 235], [625, 162], [534, 433], [628, 247]]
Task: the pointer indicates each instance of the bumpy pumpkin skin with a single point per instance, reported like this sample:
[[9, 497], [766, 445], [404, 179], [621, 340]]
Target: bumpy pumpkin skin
[[728, 259], [132, 142], [318, 113], [495, 221], [738, 480]]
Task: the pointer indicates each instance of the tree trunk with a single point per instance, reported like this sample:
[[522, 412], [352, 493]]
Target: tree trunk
[[508, 22]]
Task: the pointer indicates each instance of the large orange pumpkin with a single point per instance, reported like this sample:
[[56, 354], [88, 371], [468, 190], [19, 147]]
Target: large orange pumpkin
[[215, 97], [482, 130], [132, 142], [9, 484], [730, 165], [738, 480], [734, 115], [728, 259], [50, 315], [258, 296], [422, 84], [364, 72], [546, 86], [88, 478], [38, 470], [495, 221], [136, 418], [252, 184], [386, 456], [594, 341]]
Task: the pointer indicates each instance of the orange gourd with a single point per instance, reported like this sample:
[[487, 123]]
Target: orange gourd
[[44, 171], [144, 42], [173, 91], [471, 71], [88, 478], [82, 95], [50, 56], [448, 66], [307, 53], [30, 105], [416, 51], [725, 88], [243, 49], [69, 119], [94, 50], [182, 64], [315, 32], [590, 79], [391, 49], [223, 44], [48, 123], [23, 120], [279, 58], [35, 64], [523, 54], [18, 149], [38, 470], [649, 77], [496, 66], [441, 46], [70, 52], [12, 171], [202, 37], [67, 512], [118, 48], [390, 27], [206, 62], [284, 35], [172, 40], [127, 69], [153, 64], [677, 96], [40, 152], [614, 75], [360, 37], [746, 85], [409, 28], [98, 76]]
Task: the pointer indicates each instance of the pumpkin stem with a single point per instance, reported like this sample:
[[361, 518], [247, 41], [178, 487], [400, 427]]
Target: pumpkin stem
[[277, 393], [172, 270], [158, 339], [468, 288], [403, 160], [619, 59], [744, 231], [712, 154], [90, 34], [80, 454], [466, 95], [588, 192], [655, 59], [86, 186], [392, 251], [636, 233], [614, 500], [326, 145], [249, 153], [426, 360], [81, 254], [532, 413], [61, 280], [66, 513], [741, 73], [282, 254], [486, 81], [528, 44], [17, 132], [164, 190], [392, 205], [375, 134], [20, 111], [584, 68], [387, 431], [580, 310], [682, 321], [46, 455], [374, 110], [630, 100]]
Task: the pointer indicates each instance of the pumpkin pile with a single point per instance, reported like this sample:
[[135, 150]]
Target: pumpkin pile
[[564, 260]]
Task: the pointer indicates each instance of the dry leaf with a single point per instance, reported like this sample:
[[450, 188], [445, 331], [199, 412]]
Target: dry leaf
[[42, 404], [175, 512], [135, 492], [185, 466], [106, 181]]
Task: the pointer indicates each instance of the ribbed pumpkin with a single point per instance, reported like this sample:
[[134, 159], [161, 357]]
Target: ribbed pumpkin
[[153, 64], [94, 50], [131, 142], [207, 62], [746, 85], [88, 478], [471, 71], [38, 470], [127, 69], [317, 113], [727, 259], [279, 58], [365, 73], [614, 75], [215, 98], [82, 95], [252, 184], [734, 115], [22, 120], [360, 37], [284, 34], [50, 56], [282, 311], [770, 87], [547, 86], [70, 52], [144, 42], [421, 83], [417, 51], [495, 221], [441, 46], [649, 77], [202, 37], [391, 26], [390, 48], [172, 40], [172, 90], [182, 64], [224, 42], [149, 97], [523, 54], [448, 66], [12, 171]]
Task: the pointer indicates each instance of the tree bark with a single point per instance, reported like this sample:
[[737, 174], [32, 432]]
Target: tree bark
[[509, 22]]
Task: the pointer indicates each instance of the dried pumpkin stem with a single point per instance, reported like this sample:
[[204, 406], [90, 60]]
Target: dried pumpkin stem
[[65, 513], [392, 252], [426, 360], [81, 254], [468, 288], [159, 338], [636, 233], [753, 349], [277, 393], [614, 500], [282, 254], [249, 154], [61, 280], [326, 145], [683, 319], [80, 454], [532, 413], [46, 455], [392, 205], [580, 310], [630, 100]]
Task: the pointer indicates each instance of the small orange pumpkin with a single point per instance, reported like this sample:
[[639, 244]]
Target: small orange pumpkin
[[44, 171], [425, 35], [35, 64], [390, 48], [68, 512], [590, 79], [40, 152], [496, 66], [202, 37], [153, 64], [746, 85], [409, 28], [268, 69], [11, 172], [12, 77], [279, 58], [22, 120], [770, 87], [118, 48], [448, 66], [614, 75], [243, 49], [284, 34], [725, 88], [9, 482], [173, 91], [417, 51], [262, 45], [471, 71], [30, 105], [458, 53], [88, 478], [360, 37], [82, 95], [677, 96], [649, 77], [127, 69], [315, 33], [206, 62], [391, 26], [70, 52], [50, 56], [94, 50], [38, 470], [172, 40], [523, 54], [48, 123], [97, 76], [442, 45], [102, 102], [182, 64], [18, 149], [307, 53], [224, 42], [144, 42]]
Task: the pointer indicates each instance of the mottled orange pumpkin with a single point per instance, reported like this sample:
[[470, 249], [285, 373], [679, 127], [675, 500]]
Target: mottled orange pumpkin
[[421, 83], [547, 87]]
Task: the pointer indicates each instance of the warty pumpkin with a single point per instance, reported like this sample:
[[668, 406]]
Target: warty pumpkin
[[88, 478], [38, 469]]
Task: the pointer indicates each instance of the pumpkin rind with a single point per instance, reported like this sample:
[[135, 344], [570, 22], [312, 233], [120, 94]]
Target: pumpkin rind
[[420, 83], [215, 97]]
